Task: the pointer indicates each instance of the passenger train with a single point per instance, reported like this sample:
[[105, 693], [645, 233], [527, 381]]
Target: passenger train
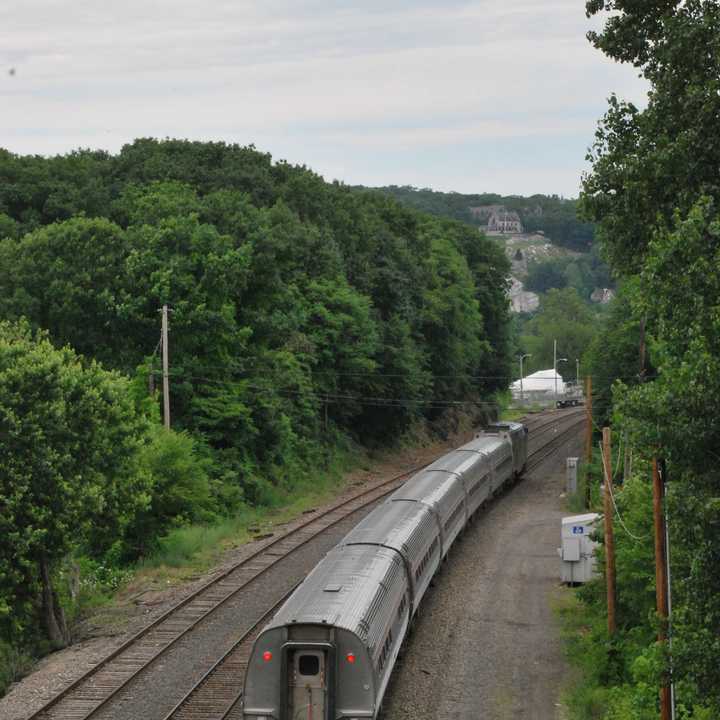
[[329, 651]]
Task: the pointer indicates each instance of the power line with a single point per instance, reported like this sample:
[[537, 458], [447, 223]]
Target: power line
[[617, 511]]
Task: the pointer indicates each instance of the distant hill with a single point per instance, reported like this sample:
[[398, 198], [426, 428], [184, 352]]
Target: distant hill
[[550, 214]]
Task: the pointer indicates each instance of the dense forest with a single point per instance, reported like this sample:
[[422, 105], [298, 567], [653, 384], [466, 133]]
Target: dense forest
[[304, 316], [654, 191], [555, 216]]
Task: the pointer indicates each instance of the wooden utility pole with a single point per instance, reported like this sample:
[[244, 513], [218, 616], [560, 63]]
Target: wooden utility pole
[[166, 374], [661, 580], [609, 537]]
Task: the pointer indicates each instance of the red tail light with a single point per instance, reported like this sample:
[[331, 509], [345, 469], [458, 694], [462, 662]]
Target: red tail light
[[267, 656], [350, 657]]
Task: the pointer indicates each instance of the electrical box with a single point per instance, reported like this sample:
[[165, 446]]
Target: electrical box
[[576, 551]]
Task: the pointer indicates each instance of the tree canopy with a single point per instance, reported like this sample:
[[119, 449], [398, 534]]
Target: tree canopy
[[654, 190], [70, 434]]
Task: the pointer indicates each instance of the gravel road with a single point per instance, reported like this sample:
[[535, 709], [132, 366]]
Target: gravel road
[[486, 644]]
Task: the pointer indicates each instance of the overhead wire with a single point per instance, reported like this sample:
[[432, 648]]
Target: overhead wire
[[612, 497]]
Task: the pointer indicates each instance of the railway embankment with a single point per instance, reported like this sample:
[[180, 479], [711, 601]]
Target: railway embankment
[[150, 595]]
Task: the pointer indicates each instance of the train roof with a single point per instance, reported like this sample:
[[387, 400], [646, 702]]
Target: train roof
[[508, 425], [458, 461], [428, 486], [344, 590], [485, 444], [403, 526]]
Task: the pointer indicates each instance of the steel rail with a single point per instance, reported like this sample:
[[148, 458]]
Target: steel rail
[[216, 696], [99, 691], [213, 696], [540, 454], [94, 689]]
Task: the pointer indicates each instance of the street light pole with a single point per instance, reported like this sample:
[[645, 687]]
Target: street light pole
[[555, 368], [577, 371], [522, 396], [556, 360]]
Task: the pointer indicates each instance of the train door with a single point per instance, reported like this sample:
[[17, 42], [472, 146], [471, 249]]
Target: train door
[[307, 691]]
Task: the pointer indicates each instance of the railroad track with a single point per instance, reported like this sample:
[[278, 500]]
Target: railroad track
[[560, 435], [217, 695], [99, 686]]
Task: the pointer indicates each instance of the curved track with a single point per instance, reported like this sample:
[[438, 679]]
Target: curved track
[[96, 688], [215, 696]]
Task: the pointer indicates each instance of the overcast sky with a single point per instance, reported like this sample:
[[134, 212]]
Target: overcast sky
[[484, 96]]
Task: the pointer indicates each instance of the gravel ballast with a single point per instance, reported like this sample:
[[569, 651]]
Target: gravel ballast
[[487, 644]]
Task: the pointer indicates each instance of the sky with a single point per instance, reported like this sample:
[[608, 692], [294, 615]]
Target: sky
[[485, 96]]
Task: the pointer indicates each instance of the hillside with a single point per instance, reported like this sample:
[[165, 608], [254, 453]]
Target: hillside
[[554, 216], [307, 319], [548, 246]]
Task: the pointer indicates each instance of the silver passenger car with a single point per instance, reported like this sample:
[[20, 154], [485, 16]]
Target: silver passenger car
[[413, 530], [329, 651], [444, 494], [474, 468]]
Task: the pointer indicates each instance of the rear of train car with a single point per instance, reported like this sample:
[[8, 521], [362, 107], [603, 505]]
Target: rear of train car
[[329, 650]]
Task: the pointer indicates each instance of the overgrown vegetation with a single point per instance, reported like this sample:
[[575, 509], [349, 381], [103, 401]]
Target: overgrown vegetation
[[584, 273], [563, 316], [654, 190], [306, 318], [557, 217]]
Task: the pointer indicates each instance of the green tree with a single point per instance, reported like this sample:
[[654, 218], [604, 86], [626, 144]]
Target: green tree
[[563, 316], [179, 488], [614, 353], [68, 278], [546, 275], [70, 434], [648, 163], [654, 190]]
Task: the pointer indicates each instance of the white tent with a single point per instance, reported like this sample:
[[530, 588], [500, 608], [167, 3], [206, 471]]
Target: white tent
[[539, 386]]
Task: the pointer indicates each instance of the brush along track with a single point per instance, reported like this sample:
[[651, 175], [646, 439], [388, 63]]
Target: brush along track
[[217, 695], [96, 688], [93, 690]]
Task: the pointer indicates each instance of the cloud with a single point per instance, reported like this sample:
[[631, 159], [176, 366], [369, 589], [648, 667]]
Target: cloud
[[305, 76]]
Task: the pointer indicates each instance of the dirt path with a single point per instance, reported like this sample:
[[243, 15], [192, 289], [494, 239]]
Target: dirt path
[[487, 644]]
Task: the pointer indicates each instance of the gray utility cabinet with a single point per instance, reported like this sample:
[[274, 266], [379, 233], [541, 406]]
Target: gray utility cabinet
[[577, 557]]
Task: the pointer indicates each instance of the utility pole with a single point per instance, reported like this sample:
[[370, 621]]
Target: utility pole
[[166, 375], [589, 424], [609, 537], [522, 357], [555, 368], [661, 581], [577, 373], [588, 438]]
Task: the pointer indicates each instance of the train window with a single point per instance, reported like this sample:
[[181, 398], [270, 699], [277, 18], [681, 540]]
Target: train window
[[403, 604], [309, 665]]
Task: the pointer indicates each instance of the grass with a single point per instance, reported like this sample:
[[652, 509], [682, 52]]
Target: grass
[[14, 663], [512, 413], [190, 550], [582, 696]]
